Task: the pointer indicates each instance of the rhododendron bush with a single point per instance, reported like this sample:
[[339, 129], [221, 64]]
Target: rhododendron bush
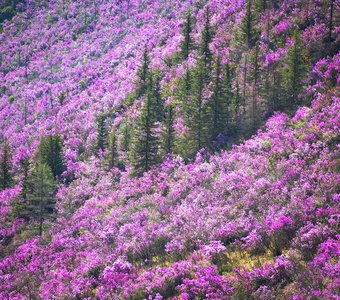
[[252, 212]]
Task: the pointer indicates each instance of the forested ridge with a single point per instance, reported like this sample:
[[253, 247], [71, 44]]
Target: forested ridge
[[169, 149]]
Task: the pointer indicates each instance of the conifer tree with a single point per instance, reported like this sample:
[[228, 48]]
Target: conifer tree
[[50, 152], [113, 150], [40, 199], [205, 51], [187, 44], [221, 100], [256, 86], [184, 89], [330, 23], [25, 171], [196, 117], [168, 134], [126, 136], [261, 5], [155, 81], [146, 141], [239, 103], [294, 73], [248, 28], [5, 166], [143, 73], [102, 134]]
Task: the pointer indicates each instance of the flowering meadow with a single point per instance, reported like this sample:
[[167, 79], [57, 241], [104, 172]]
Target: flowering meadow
[[156, 149]]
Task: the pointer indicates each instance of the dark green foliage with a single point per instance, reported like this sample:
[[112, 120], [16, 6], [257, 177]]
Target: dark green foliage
[[275, 91], [220, 104], [187, 44], [40, 199], [196, 114], [62, 97], [126, 136], [184, 89], [207, 36], [238, 104], [25, 172], [256, 78], [5, 166], [261, 5], [249, 33], [112, 155], [145, 141], [330, 23], [168, 134], [6, 13], [8, 9], [294, 73], [102, 134], [50, 152], [143, 74], [155, 79]]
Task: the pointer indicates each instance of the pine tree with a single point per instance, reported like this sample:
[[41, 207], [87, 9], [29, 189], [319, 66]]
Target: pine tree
[[143, 73], [187, 44], [146, 142], [102, 134], [5, 166], [40, 199], [168, 134], [50, 152], [294, 73]]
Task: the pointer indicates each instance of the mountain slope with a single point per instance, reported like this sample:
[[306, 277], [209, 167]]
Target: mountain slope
[[257, 221]]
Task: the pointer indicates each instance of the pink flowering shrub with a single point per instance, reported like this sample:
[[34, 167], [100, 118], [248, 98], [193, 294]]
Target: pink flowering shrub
[[258, 220]]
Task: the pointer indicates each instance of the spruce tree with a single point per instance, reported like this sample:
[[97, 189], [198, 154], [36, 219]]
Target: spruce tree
[[330, 23], [205, 51], [187, 44], [126, 136], [50, 152], [5, 166], [220, 103], [156, 80], [146, 141], [40, 199], [196, 117], [238, 104], [261, 5], [248, 26], [168, 134], [20, 205], [294, 73], [143, 73], [184, 89], [113, 157], [255, 76], [102, 134], [25, 164]]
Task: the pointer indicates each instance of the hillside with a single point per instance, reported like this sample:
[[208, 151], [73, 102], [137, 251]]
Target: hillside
[[169, 149]]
